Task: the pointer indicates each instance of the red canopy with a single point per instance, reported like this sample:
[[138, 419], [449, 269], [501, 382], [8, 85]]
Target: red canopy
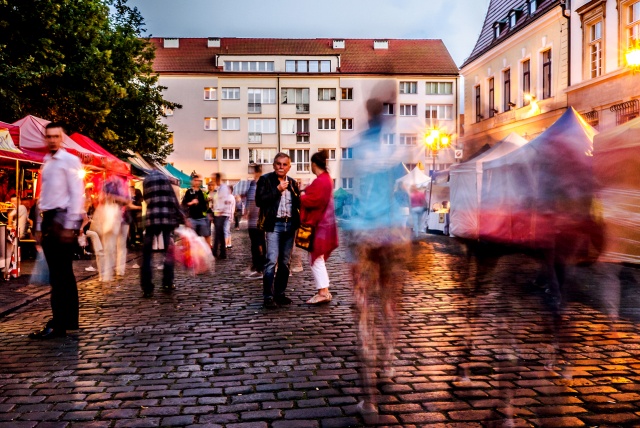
[[9, 142], [111, 162]]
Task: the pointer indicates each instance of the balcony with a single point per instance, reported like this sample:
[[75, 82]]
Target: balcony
[[302, 108], [255, 107], [255, 137]]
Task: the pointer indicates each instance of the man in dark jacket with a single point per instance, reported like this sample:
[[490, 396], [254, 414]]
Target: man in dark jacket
[[278, 198]]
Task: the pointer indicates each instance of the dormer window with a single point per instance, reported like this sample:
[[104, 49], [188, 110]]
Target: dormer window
[[498, 28], [513, 18], [533, 6]]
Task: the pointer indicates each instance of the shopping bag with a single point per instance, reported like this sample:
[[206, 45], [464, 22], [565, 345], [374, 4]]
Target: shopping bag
[[192, 251], [40, 274]]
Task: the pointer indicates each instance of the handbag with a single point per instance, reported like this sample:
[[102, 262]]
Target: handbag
[[304, 237]]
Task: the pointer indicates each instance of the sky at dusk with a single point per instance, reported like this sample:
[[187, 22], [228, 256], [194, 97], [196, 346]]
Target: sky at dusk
[[456, 22]]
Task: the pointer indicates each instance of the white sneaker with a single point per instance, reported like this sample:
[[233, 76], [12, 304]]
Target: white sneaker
[[255, 275], [297, 269], [135, 266], [90, 269], [246, 272], [159, 267]]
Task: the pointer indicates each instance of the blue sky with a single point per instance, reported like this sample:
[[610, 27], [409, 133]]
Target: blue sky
[[456, 22]]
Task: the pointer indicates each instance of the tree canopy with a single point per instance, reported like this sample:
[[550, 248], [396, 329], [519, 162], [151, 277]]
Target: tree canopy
[[83, 63]]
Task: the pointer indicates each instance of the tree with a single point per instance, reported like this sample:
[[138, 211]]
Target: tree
[[84, 64]]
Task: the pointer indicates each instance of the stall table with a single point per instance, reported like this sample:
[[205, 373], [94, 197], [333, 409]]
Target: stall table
[[438, 222]]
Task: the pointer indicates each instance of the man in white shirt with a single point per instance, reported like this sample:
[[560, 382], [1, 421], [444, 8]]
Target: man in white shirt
[[220, 216], [61, 207]]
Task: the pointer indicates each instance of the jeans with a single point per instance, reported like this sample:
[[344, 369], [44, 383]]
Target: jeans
[[146, 275], [219, 245], [279, 247], [417, 213]]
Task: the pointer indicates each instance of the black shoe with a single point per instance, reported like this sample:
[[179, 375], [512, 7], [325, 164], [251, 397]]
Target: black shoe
[[147, 294], [170, 287], [283, 300], [47, 333], [269, 303]]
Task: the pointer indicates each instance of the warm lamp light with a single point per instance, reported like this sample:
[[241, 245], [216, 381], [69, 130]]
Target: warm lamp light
[[444, 140], [633, 57], [529, 97], [82, 173]]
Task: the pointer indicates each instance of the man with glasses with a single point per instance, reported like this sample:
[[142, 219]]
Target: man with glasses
[[278, 198]]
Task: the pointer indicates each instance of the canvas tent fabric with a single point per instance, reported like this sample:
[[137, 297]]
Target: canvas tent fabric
[[185, 180], [111, 162], [526, 193], [616, 160], [414, 178], [9, 146], [466, 187]]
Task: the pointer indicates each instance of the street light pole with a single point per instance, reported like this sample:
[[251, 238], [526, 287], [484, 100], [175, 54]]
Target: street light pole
[[435, 140]]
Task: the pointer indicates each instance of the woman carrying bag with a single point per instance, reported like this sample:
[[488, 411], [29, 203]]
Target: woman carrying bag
[[317, 211]]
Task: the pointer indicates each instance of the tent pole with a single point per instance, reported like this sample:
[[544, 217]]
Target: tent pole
[[16, 247]]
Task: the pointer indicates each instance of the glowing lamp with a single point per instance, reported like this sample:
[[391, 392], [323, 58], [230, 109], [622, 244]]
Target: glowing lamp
[[529, 97], [633, 57], [82, 173], [444, 140]]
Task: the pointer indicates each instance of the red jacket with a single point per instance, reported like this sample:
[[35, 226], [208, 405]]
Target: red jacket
[[317, 210]]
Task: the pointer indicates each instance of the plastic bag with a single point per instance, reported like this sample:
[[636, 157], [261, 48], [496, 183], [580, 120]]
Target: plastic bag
[[192, 251], [40, 274]]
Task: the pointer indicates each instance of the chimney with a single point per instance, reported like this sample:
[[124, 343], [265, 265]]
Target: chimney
[[213, 42], [338, 44], [381, 44]]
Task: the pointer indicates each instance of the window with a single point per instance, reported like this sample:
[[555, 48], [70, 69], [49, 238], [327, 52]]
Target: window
[[327, 124], [297, 96], [497, 30], [211, 94], [387, 109], [388, 139], [492, 98], [408, 87], [526, 82], [170, 141], [439, 111], [326, 94], [230, 93], [347, 153], [408, 110], [304, 66], [259, 96], [546, 74], [408, 139], [347, 93], [210, 124], [478, 104], [439, 88], [262, 156], [230, 154], [533, 6], [262, 126], [248, 66], [632, 22], [347, 124], [506, 92], [167, 111], [210, 153], [347, 183], [331, 153], [595, 49], [300, 158], [230, 123], [299, 127], [513, 18]]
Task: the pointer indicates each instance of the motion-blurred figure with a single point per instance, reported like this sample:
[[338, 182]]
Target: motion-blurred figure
[[61, 208], [377, 245]]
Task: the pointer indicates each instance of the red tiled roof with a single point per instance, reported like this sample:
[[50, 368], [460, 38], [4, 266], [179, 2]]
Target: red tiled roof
[[429, 57]]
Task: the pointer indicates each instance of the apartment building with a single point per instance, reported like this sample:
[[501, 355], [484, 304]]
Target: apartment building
[[517, 73], [603, 88], [246, 99]]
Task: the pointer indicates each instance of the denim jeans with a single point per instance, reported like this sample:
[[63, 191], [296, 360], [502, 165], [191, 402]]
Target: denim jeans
[[279, 247]]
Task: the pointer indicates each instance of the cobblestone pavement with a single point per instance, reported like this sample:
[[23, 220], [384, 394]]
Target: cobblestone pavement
[[208, 354]]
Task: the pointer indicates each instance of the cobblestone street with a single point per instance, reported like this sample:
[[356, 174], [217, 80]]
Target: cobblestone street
[[209, 355]]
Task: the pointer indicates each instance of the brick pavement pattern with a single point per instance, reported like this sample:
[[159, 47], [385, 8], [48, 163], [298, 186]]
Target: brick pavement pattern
[[208, 355]]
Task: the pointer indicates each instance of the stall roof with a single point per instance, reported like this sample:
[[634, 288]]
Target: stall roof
[[112, 163], [138, 161], [185, 180]]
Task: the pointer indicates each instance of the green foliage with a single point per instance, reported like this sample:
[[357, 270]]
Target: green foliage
[[84, 64]]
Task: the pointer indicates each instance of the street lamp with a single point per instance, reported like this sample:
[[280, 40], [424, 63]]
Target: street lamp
[[435, 140], [633, 56]]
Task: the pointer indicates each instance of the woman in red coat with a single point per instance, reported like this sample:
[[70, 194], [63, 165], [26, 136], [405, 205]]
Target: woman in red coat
[[317, 210]]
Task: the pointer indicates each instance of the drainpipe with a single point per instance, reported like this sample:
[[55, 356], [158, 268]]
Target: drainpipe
[[565, 5], [278, 113]]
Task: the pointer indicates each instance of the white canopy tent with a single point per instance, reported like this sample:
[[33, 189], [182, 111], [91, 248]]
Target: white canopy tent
[[466, 187], [414, 178]]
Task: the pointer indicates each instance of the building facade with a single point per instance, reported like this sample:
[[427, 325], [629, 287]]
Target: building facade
[[244, 100], [517, 73], [603, 88]]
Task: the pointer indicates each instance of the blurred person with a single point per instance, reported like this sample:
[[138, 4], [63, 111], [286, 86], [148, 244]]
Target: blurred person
[[238, 213], [317, 210], [376, 244], [61, 207], [194, 203], [22, 214], [418, 207], [220, 216], [162, 217], [211, 197], [278, 198], [96, 245], [256, 236], [133, 213], [230, 208], [108, 222]]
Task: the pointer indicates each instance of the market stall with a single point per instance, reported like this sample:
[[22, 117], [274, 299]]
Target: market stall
[[466, 187]]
